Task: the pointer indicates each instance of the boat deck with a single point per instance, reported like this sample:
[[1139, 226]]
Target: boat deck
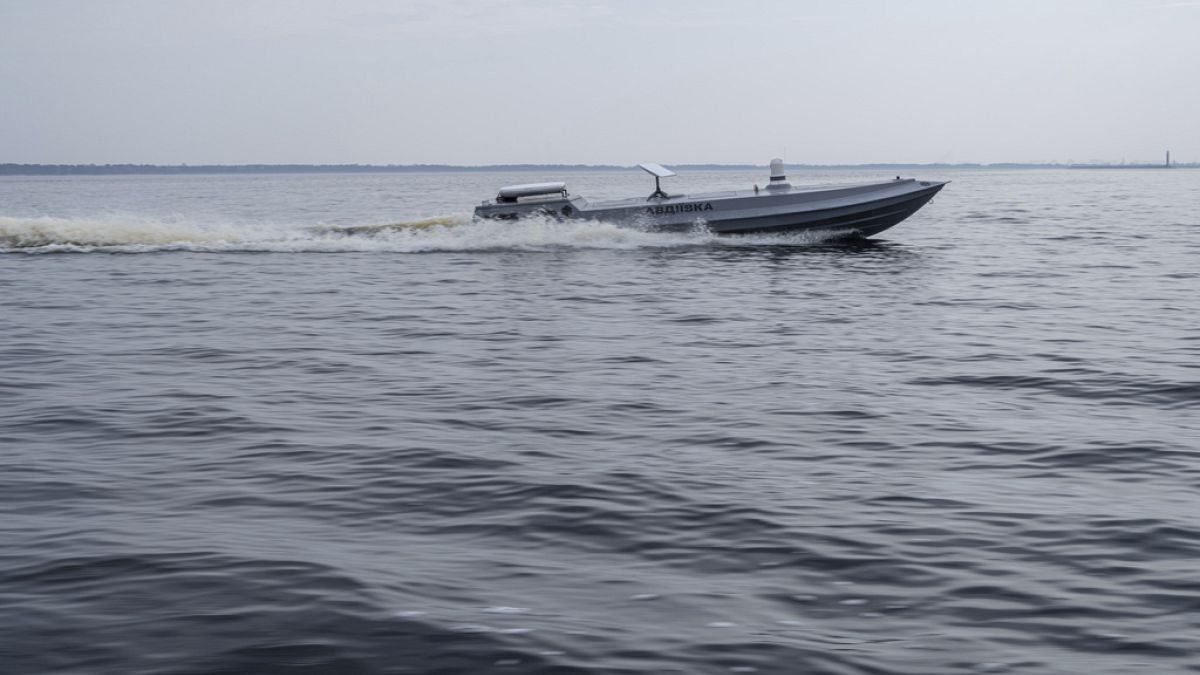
[[732, 194]]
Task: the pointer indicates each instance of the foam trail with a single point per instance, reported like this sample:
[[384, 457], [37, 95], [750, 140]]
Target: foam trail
[[445, 221], [127, 234], [140, 234]]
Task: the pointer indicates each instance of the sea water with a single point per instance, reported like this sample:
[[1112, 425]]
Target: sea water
[[323, 423]]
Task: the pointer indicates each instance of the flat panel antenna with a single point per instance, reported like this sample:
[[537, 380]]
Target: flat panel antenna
[[658, 171]]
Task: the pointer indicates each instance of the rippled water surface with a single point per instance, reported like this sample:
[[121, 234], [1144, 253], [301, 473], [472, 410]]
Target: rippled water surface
[[325, 424]]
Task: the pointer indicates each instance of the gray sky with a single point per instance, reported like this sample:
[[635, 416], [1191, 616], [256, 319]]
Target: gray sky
[[590, 81]]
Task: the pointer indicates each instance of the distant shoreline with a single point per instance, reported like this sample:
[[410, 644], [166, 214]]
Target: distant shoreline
[[187, 169]]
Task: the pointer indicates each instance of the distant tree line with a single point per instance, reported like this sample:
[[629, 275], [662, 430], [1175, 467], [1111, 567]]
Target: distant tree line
[[111, 169], [119, 169]]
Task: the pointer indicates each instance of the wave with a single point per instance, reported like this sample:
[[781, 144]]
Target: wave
[[141, 234], [1107, 388]]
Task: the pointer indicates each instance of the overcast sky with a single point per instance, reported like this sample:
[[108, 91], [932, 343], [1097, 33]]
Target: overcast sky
[[593, 81]]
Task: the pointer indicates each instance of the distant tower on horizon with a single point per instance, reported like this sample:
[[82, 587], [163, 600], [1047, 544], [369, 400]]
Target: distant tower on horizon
[[1168, 164]]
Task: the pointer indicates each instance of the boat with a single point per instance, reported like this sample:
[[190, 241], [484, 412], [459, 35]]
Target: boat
[[853, 210]]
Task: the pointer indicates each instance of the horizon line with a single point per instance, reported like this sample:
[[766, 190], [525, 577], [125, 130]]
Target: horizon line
[[20, 168]]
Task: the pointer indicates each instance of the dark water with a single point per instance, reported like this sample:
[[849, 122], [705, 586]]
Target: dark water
[[236, 439]]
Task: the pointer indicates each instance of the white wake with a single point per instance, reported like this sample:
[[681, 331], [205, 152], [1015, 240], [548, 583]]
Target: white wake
[[139, 234]]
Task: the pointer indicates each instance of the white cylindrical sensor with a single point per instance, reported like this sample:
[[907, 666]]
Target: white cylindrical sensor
[[778, 179]]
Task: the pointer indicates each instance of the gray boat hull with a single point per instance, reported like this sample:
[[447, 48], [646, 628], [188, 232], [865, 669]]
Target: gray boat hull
[[853, 210]]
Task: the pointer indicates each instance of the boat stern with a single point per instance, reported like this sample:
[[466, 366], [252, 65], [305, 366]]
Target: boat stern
[[531, 199]]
